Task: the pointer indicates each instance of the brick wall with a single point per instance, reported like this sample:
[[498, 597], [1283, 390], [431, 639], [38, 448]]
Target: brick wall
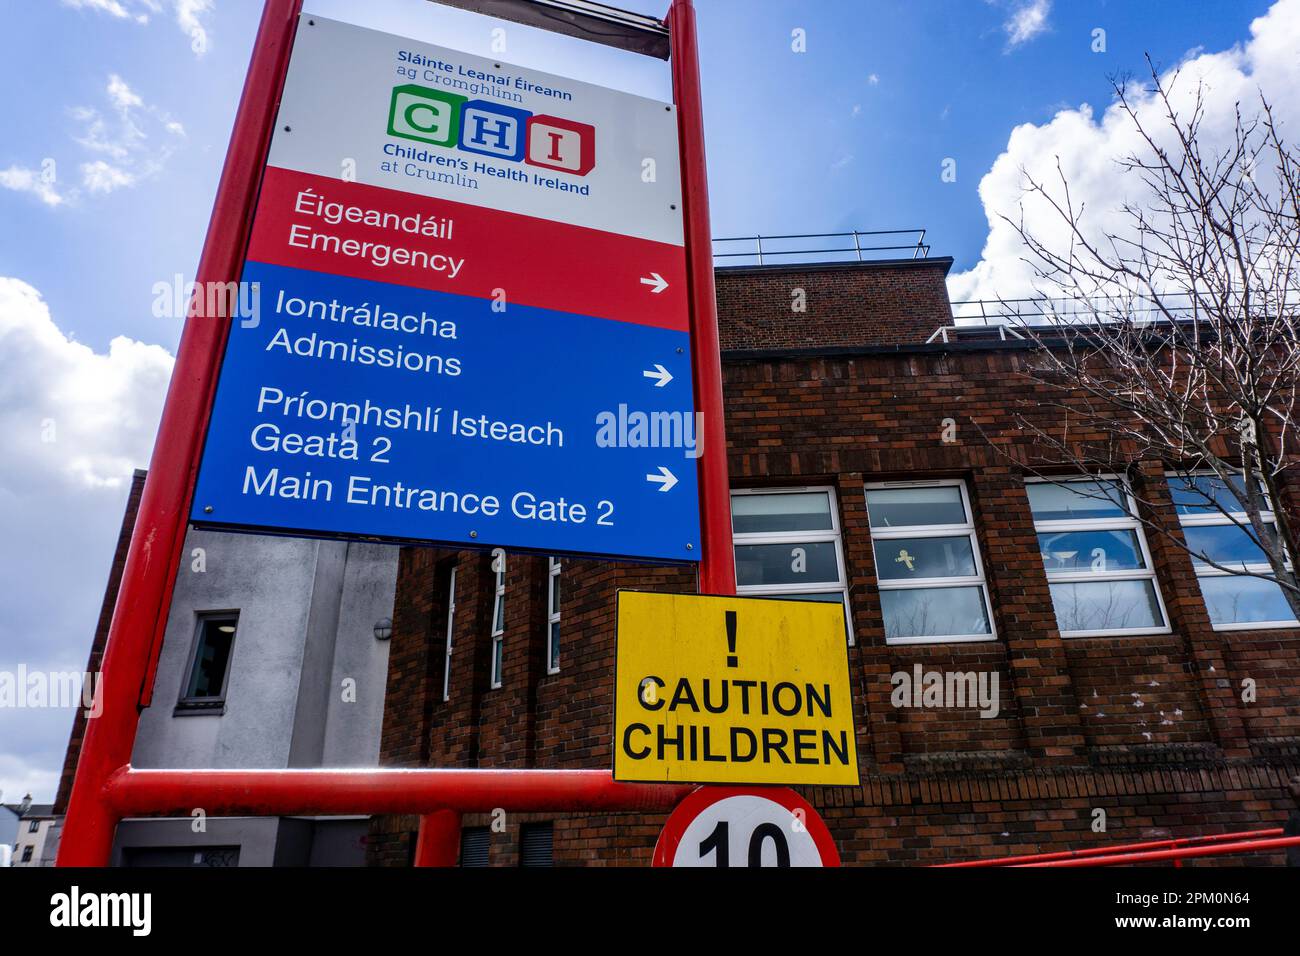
[[844, 305], [1151, 729]]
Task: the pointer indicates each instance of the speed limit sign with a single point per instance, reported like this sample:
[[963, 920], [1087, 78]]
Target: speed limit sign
[[745, 826]]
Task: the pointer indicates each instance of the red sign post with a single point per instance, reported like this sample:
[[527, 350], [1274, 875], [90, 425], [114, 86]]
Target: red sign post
[[717, 563], [106, 787]]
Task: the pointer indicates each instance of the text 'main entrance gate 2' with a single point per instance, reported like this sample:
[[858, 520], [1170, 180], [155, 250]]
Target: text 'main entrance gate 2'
[[472, 321]]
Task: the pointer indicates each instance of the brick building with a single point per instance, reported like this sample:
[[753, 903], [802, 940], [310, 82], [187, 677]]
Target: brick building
[[876, 452]]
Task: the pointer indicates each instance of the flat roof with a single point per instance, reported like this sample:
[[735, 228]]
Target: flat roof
[[851, 265]]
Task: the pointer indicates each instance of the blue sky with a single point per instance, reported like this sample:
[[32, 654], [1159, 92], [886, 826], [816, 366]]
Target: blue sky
[[849, 134], [133, 100]]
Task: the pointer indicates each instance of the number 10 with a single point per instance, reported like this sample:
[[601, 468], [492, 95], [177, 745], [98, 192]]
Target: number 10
[[718, 842]]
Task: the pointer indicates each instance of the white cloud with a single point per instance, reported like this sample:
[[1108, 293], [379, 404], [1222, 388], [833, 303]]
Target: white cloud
[[96, 136], [873, 79], [111, 7], [76, 422], [123, 134], [34, 181], [1088, 146], [103, 405], [132, 140], [189, 15], [121, 95], [100, 177], [1027, 20]]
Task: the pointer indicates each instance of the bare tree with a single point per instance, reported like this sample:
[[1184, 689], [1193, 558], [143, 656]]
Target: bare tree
[[1173, 336]]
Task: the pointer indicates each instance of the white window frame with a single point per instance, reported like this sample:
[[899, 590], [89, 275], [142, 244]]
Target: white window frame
[[553, 570], [1131, 523], [832, 536], [1207, 571], [498, 633], [451, 636], [934, 531]]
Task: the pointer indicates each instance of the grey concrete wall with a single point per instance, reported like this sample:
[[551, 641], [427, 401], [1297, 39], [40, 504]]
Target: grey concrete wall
[[307, 613], [50, 849], [270, 582], [340, 841], [353, 725], [269, 841], [255, 837], [307, 745]]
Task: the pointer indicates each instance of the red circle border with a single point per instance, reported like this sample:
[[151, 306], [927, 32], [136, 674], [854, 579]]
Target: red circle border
[[700, 799]]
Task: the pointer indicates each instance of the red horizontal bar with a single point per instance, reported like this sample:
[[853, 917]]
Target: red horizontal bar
[[388, 790], [1179, 853], [1114, 849]]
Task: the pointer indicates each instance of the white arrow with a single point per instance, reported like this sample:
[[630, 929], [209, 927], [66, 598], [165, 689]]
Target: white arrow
[[662, 374], [665, 479], [656, 280]]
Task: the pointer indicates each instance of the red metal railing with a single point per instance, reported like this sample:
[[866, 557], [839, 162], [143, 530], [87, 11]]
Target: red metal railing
[[1178, 854], [389, 790], [1172, 848]]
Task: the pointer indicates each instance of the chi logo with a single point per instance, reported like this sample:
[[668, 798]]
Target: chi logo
[[479, 126]]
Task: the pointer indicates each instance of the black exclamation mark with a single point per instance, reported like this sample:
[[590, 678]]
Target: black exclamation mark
[[732, 660]]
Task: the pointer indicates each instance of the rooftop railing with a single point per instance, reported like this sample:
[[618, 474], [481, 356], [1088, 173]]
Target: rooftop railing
[[1058, 311], [1006, 319], [856, 246]]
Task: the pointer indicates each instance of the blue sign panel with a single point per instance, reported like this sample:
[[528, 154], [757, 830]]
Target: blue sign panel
[[358, 408]]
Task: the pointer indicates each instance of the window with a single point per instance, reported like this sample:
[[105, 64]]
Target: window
[[928, 563], [1217, 531], [205, 689], [451, 635], [536, 845], [1095, 554], [27, 854], [474, 843], [498, 615], [553, 616], [33, 826], [787, 544]]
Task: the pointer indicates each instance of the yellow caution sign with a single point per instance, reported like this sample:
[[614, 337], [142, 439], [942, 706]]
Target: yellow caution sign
[[732, 690]]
